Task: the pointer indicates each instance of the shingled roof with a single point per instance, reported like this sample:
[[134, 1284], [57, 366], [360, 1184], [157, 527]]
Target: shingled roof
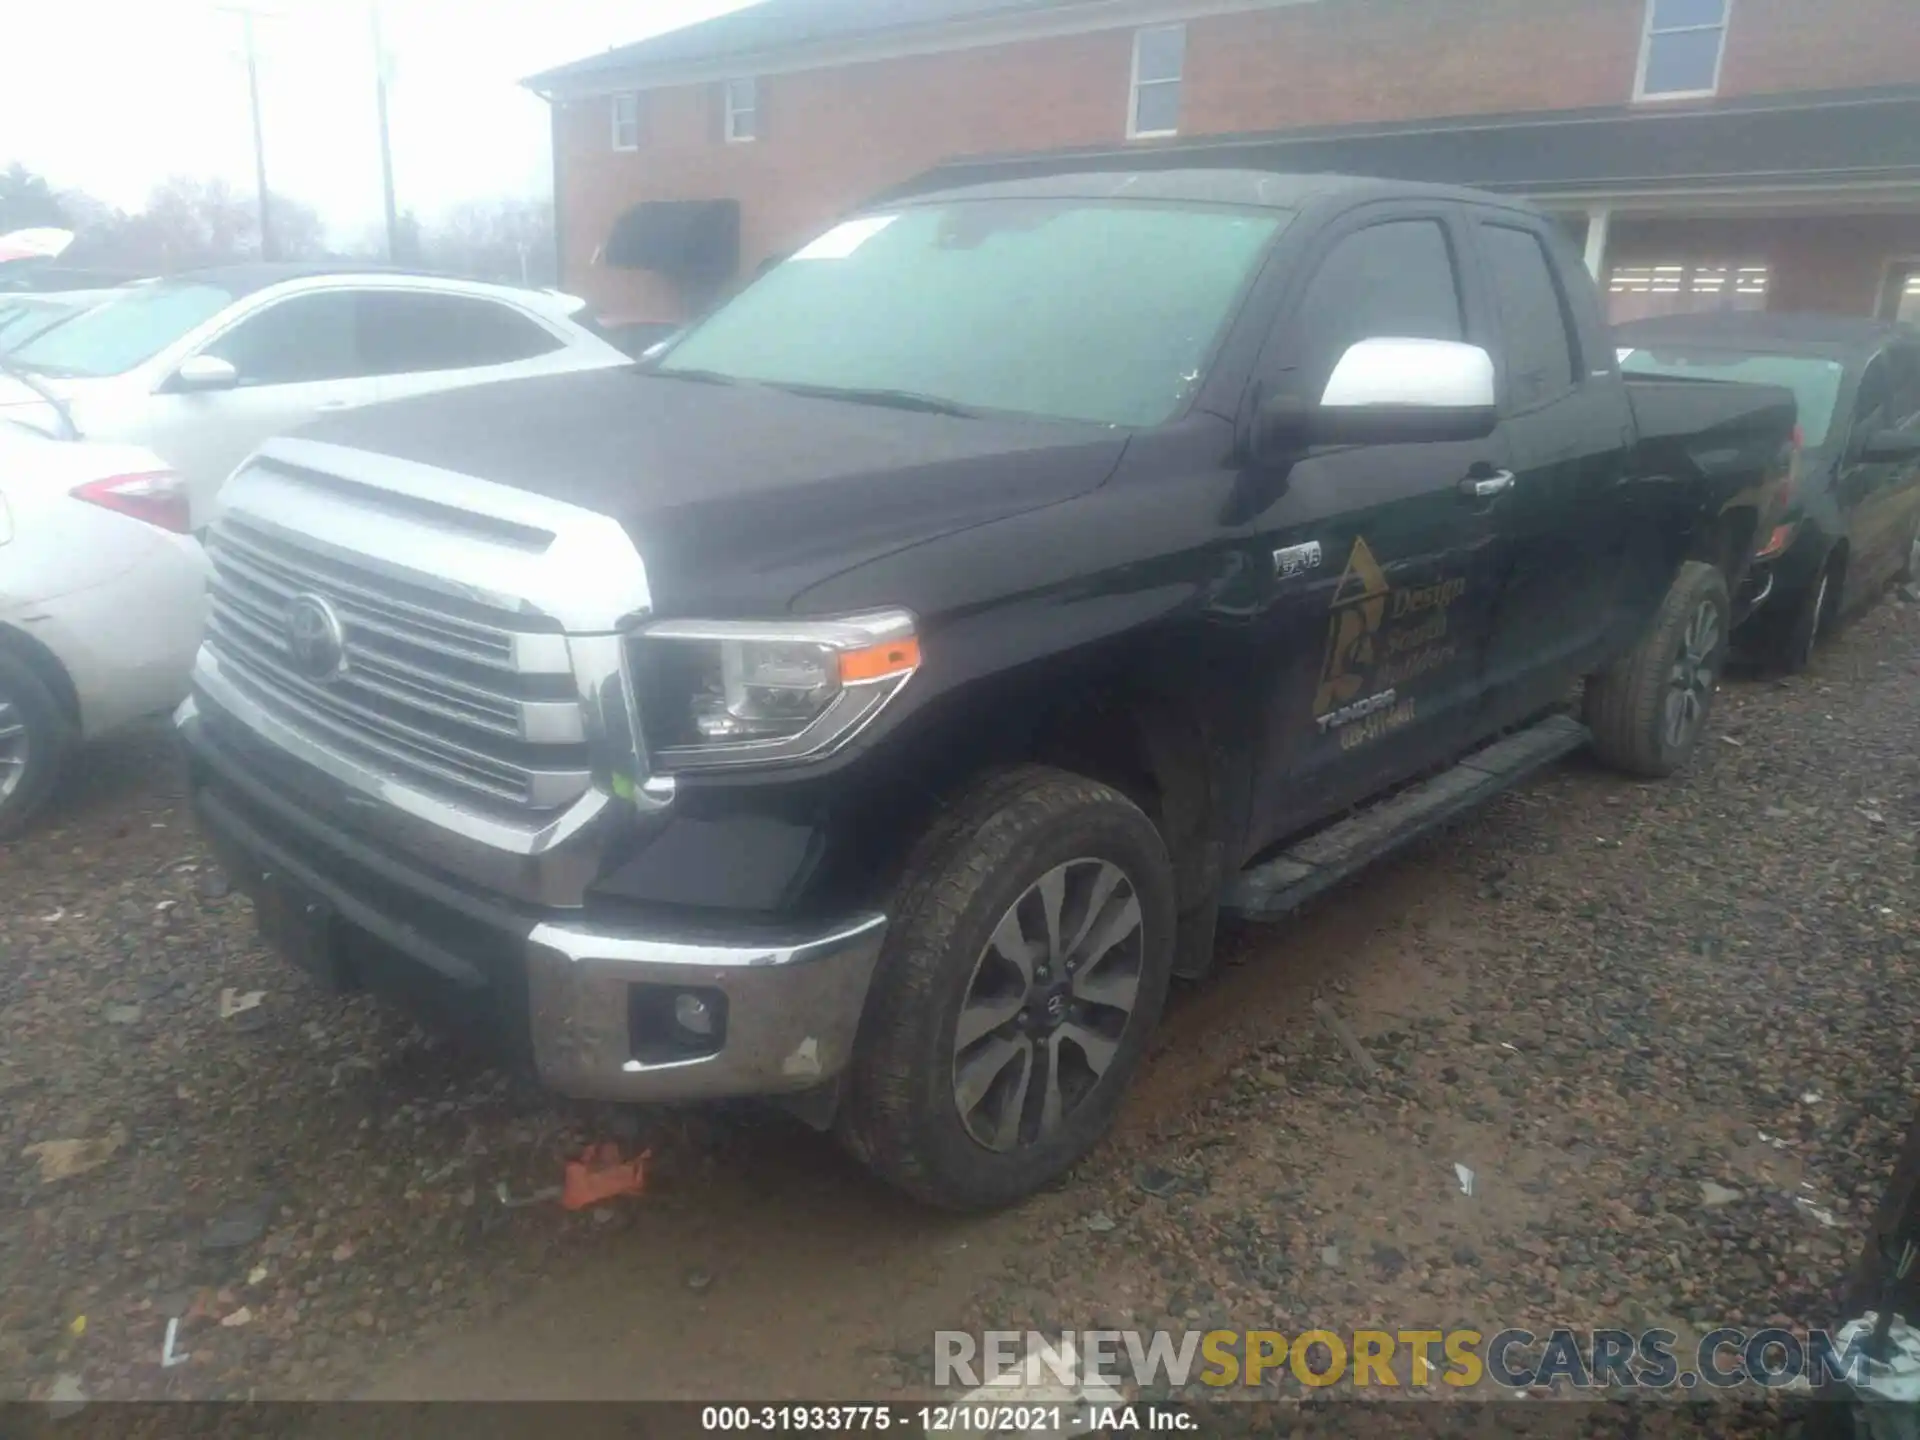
[[776, 26]]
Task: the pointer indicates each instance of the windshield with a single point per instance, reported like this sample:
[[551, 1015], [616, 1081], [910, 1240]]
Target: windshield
[[1069, 309], [1815, 383], [117, 335], [22, 317]]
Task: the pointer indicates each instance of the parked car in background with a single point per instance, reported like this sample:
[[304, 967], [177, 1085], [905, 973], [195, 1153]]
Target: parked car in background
[[26, 314], [882, 724], [1852, 521], [202, 367], [102, 601]]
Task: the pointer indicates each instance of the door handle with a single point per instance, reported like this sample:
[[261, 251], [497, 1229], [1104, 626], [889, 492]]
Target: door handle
[[1485, 487]]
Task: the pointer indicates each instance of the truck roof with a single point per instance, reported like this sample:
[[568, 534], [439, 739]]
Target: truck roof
[[1262, 189]]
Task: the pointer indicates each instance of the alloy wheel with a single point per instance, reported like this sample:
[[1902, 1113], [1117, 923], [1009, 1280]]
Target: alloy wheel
[[1049, 1000], [1690, 683], [13, 748]]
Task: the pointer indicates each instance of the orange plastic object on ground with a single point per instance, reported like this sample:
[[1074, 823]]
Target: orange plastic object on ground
[[600, 1174]]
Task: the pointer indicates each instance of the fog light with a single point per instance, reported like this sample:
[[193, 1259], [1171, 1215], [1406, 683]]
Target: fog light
[[693, 1014]]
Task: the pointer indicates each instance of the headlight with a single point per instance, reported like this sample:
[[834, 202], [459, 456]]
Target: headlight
[[741, 692]]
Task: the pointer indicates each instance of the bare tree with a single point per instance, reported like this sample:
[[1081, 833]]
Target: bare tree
[[505, 239], [189, 223], [26, 200]]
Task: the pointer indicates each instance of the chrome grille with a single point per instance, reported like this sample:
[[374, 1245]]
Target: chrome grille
[[475, 705]]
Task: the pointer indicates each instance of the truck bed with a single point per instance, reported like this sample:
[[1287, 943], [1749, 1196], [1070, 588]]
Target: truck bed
[[1733, 438]]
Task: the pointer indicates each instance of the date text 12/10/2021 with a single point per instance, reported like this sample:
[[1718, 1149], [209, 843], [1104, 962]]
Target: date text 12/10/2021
[[960, 1418]]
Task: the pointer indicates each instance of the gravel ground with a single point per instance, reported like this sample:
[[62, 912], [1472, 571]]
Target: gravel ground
[[1670, 1028], [1603, 998]]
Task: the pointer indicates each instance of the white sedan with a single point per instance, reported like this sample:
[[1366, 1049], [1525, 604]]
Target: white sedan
[[102, 600], [202, 367]]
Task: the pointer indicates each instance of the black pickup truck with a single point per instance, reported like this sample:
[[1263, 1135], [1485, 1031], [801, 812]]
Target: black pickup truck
[[874, 699]]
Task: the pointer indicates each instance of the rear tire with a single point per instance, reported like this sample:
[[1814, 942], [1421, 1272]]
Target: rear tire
[[1650, 707], [1023, 973], [35, 737]]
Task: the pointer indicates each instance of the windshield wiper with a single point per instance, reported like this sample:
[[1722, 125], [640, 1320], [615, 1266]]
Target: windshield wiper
[[892, 399], [704, 377]]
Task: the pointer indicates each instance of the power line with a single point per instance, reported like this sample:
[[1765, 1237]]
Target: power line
[[386, 146]]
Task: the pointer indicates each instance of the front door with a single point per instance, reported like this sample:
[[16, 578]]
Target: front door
[[1380, 587], [1878, 497]]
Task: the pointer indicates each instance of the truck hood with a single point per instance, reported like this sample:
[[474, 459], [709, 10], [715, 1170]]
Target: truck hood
[[738, 497]]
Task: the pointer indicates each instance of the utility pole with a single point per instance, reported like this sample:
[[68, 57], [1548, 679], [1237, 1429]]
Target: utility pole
[[386, 147], [267, 248]]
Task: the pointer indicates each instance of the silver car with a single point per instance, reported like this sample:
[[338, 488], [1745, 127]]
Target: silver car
[[204, 366]]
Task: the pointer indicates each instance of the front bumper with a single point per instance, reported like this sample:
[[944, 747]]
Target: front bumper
[[587, 1002]]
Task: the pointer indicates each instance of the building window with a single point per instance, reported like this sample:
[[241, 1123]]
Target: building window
[[626, 122], [1635, 292], [1680, 55], [743, 110], [1154, 102]]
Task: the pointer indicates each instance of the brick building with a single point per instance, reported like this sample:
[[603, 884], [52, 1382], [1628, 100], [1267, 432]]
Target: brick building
[[1713, 153]]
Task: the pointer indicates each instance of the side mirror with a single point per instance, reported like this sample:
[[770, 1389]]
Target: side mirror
[[1389, 391], [1891, 446], [204, 372]]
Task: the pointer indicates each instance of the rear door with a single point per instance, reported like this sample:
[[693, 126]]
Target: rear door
[[419, 341], [1380, 590], [1563, 530]]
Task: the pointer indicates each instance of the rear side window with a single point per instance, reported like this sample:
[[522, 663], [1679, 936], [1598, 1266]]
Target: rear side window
[[300, 340], [403, 332], [1395, 280], [1533, 321]]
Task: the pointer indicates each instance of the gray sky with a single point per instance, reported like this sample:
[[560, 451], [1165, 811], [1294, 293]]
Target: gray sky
[[111, 96]]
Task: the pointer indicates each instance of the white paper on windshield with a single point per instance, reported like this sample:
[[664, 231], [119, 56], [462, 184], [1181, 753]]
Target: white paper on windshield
[[845, 238], [1621, 355]]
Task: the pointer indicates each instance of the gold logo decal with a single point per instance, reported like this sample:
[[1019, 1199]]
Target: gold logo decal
[[1359, 607], [1378, 639]]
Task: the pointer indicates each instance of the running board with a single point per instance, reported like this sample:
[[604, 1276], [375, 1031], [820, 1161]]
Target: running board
[[1270, 890]]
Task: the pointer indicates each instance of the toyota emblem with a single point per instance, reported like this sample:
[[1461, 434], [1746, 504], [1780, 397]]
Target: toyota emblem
[[315, 640]]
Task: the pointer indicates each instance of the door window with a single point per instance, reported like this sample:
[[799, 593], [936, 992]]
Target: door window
[[1538, 354], [1904, 378], [296, 341], [403, 332], [1872, 409], [1395, 280]]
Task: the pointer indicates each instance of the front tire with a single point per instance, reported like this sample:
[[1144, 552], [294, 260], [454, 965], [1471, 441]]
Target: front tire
[[1649, 708], [35, 737], [1025, 969]]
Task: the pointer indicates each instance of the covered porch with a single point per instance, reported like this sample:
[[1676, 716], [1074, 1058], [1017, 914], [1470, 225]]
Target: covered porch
[[1844, 250]]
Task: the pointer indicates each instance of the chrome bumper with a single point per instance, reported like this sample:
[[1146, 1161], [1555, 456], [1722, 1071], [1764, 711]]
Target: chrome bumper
[[563, 987], [791, 1010]]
